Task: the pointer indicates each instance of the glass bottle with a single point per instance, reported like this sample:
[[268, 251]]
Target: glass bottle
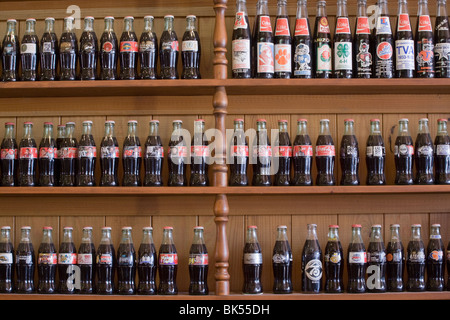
[[322, 43], [191, 50], [87, 156], [29, 52], [132, 157], [415, 260], [88, 50], [357, 262], [262, 156], [198, 264], [375, 155], [395, 261], [67, 259], [282, 263], [442, 41], [25, 262], [6, 261], [424, 50], [334, 262], [47, 263], [154, 156], [167, 264], [126, 264], [49, 51], [303, 45], [282, 43], [384, 66], [343, 43], [28, 157], [404, 154], [10, 52], [68, 51], [60, 136], [252, 263], [283, 154], [177, 156], [69, 157], [86, 262], [263, 47], [302, 155], [325, 156], [147, 263], [148, 50], [435, 260], [404, 43], [376, 261], [109, 156], [109, 51], [128, 52], [168, 50], [199, 156], [241, 64], [105, 263], [424, 154], [9, 157], [47, 157], [312, 269], [239, 157], [442, 153], [349, 155], [363, 43]]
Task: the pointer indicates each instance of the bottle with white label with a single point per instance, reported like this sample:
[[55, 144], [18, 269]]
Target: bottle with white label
[[442, 41], [283, 154], [88, 51], [105, 263], [25, 262], [47, 262], [147, 262], [109, 156], [312, 269], [363, 48], [6, 261], [263, 46], [10, 52], [86, 262], [282, 42], [29, 52], [191, 50], [424, 42], [343, 42], [403, 154], [252, 263], [322, 43], [48, 50], [67, 258], [424, 154], [375, 155], [282, 263], [356, 262], [303, 45], [404, 43], [442, 153], [384, 44], [132, 157], [241, 64], [68, 51], [349, 155], [168, 50], [153, 157]]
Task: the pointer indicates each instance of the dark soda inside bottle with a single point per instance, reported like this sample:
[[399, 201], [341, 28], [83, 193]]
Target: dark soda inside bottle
[[312, 269], [376, 261], [261, 156], [384, 44], [395, 261], [282, 43], [49, 51], [147, 263], [47, 263], [67, 259], [168, 50], [126, 264], [167, 264], [448, 266], [61, 135], [442, 41], [283, 154], [87, 156], [322, 43], [435, 260], [442, 154], [263, 55], [363, 43], [356, 262], [424, 42], [47, 157], [343, 43], [282, 263], [148, 50], [88, 51], [25, 262], [241, 64], [252, 263], [128, 53], [325, 156], [334, 262], [302, 155], [424, 155], [154, 157], [109, 156], [7, 261], [177, 156], [302, 51], [191, 50], [29, 52], [349, 155], [404, 43], [132, 157], [105, 263], [199, 155], [238, 156], [86, 262], [69, 157], [403, 154], [68, 51], [9, 157], [10, 52], [109, 50], [28, 158], [375, 155], [198, 264], [415, 261]]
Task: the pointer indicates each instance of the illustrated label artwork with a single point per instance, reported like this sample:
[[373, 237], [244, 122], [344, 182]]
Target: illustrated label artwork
[[265, 56]]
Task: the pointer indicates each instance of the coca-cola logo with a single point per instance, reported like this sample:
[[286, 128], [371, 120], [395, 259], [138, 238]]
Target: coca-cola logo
[[403, 22], [424, 23], [362, 26], [301, 27], [264, 24], [282, 27], [342, 25]]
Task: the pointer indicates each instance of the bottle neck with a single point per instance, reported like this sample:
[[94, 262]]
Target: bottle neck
[[261, 126], [11, 28], [302, 10], [5, 235], [49, 26], [321, 9], [109, 130], [361, 10], [61, 132], [167, 237], [262, 8], [312, 232], [67, 236], [423, 8], [190, 23], [154, 129], [69, 131], [47, 236], [238, 126], [109, 25], [132, 128], [442, 128], [48, 132], [402, 7], [333, 234], [415, 233], [383, 9], [87, 236], [282, 126], [9, 132], [148, 24], [281, 8], [251, 236], [25, 236], [356, 235], [375, 129], [126, 237], [403, 129], [341, 9], [435, 232], [128, 25], [28, 132], [423, 127], [302, 128], [375, 235], [106, 237], [199, 128], [241, 6], [89, 24], [147, 236], [282, 234], [68, 25], [30, 27], [395, 234], [198, 236], [349, 129], [441, 8], [168, 24], [324, 128], [87, 129]]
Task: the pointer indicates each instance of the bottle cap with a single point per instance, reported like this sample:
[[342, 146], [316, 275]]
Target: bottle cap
[[128, 18], [9, 123], [238, 120], [68, 228], [31, 19], [261, 120], [71, 123], [436, 225], [154, 121], [50, 18], [149, 17], [374, 120], [89, 18], [416, 225], [69, 18], [106, 228], [28, 123], [87, 122], [48, 228], [376, 226], [6, 227], [126, 228], [48, 123], [252, 227], [110, 121], [168, 16], [199, 120], [302, 120], [168, 228], [191, 16], [147, 228], [12, 20], [349, 120], [403, 119], [324, 120], [333, 226], [282, 120], [178, 121], [395, 225], [198, 227], [87, 228], [26, 227], [282, 227], [442, 120], [356, 226], [132, 121], [61, 125], [423, 119], [109, 17]]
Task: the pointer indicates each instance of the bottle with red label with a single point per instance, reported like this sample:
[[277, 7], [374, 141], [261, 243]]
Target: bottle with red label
[[132, 157], [376, 261], [334, 262], [343, 43], [302, 155], [29, 52], [108, 51], [312, 269], [322, 43], [252, 263], [69, 157], [241, 64], [349, 155], [263, 43], [191, 50], [9, 158], [126, 264], [357, 262], [442, 41], [198, 264], [177, 156], [261, 156], [7, 261], [199, 155], [47, 263], [283, 154], [128, 51], [404, 43], [147, 262], [442, 153], [10, 52], [88, 51], [109, 157], [424, 42], [28, 157], [87, 155], [303, 45], [67, 259], [325, 156], [60, 136], [384, 44], [153, 157], [105, 263], [25, 262], [86, 262], [375, 155], [68, 51], [47, 157], [424, 154], [167, 264], [48, 50], [363, 43], [403, 154], [168, 50], [415, 260], [282, 43], [395, 261], [148, 50], [282, 263], [435, 260], [239, 156]]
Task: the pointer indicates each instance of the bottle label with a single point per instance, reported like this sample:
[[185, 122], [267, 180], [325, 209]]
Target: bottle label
[[48, 258], [324, 27], [168, 259], [241, 54], [132, 152], [283, 58], [47, 47], [109, 152], [154, 152], [425, 151], [88, 47], [357, 257], [66, 47], [303, 151], [178, 151], [108, 47], [28, 48], [264, 24], [342, 25], [323, 57], [189, 45], [239, 151], [280, 258], [28, 153], [394, 257], [375, 151], [404, 150], [48, 153], [417, 256], [351, 151], [253, 258], [147, 259], [105, 258], [343, 56], [379, 257], [24, 259], [425, 24], [364, 59], [302, 60], [282, 27], [384, 51], [240, 21], [67, 258], [362, 26], [404, 54], [282, 151], [265, 56], [313, 270], [425, 55], [262, 151], [85, 258], [9, 154], [147, 46], [198, 259], [325, 151], [383, 25], [87, 152], [200, 151], [442, 54], [170, 45], [125, 260], [69, 153], [6, 258], [9, 49], [129, 46], [443, 150], [301, 27], [403, 22], [335, 257]]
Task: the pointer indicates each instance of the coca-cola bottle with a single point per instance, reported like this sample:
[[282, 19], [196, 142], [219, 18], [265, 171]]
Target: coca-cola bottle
[[325, 155], [199, 155], [261, 156], [302, 155], [435, 260], [132, 157], [6, 261], [442, 153], [252, 263], [357, 262], [241, 64], [86, 262], [349, 155], [126, 264], [148, 50], [283, 154], [49, 51], [105, 263], [375, 155], [69, 157], [25, 262], [191, 50], [28, 157], [263, 47], [9, 158], [404, 43], [424, 42], [47, 156], [109, 156], [68, 51], [238, 156], [384, 44], [67, 259], [312, 269], [154, 156], [343, 42], [322, 43], [376, 261], [128, 51], [167, 264], [87, 155], [424, 154], [303, 44], [10, 52], [88, 51], [395, 261], [282, 43], [168, 50], [147, 262], [198, 264], [442, 41], [415, 260], [47, 263], [29, 52], [109, 49], [334, 262], [363, 43], [177, 156], [60, 136], [282, 263], [403, 154]]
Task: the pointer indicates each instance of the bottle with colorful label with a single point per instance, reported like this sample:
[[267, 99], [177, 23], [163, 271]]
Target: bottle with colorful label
[[424, 42], [384, 44], [363, 44], [263, 43], [241, 63], [343, 43], [282, 43], [303, 53], [128, 51], [322, 43], [404, 43]]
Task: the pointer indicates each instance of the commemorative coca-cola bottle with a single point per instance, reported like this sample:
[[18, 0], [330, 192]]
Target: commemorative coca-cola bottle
[[403, 154], [241, 64], [442, 41], [67, 259], [263, 47], [25, 262], [47, 157], [199, 155], [415, 260], [363, 43], [404, 43], [191, 50], [148, 50], [198, 264], [126, 264], [29, 52], [375, 155], [357, 262], [87, 155], [49, 51], [261, 156], [424, 42], [424, 154], [239, 156], [303, 44], [6, 261], [153, 157], [10, 52], [109, 157], [109, 51], [302, 155], [60, 136], [147, 262], [252, 263], [167, 264], [349, 155], [177, 156], [88, 51], [395, 261], [312, 269], [325, 155], [47, 263], [384, 44], [282, 43], [435, 260], [68, 51], [282, 263], [68, 153], [105, 263], [343, 43], [334, 262], [28, 157], [128, 51], [168, 50], [376, 261], [9, 157], [86, 262], [283, 154], [322, 43], [442, 153], [132, 157]]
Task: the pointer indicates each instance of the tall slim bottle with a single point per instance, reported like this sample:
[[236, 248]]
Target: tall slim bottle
[[363, 43], [168, 50], [442, 153], [395, 261], [252, 263], [29, 52], [349, 155], [132, 157], [148, 50], [334, 262], [167, 264], [442, 41], [404, 154], [343, 43], [28, 157], [177, 156], [109, 156], [68, 51], [87, 156], [191, 50], [282, 43], [147, 263], [105, 263], [384, 44], [126, 264], [67, 259], [375, 155], [241, 63], [356, 262], [282, 263], [128, 51], [109, 51], [239, 156], [47, 263], [404, 43], [302, 155], [153, 156], [88, 51], [198, 264], [283, 154], [416, 260], [312, 262], [9, 157], [69, 157], [199, 155], [376, 261], [6, 261], [303, 53], [49, 51], [47, 157], [10, 52], [262, 156], [325, 155], [322, 43], [263, 46], [424, 42], [86, 262], [424, 154], [25, 262], [435, 260]]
